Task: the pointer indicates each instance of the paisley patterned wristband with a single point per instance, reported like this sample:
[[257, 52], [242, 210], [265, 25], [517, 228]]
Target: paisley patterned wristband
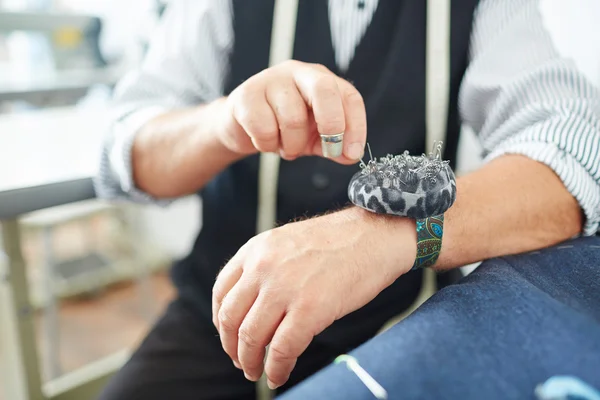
[[429, 241]]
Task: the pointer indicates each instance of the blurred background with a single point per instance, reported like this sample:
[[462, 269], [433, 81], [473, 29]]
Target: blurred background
[[96, 273]]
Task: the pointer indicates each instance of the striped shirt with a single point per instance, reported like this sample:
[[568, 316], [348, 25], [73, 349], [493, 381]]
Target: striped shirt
[[521, 93]]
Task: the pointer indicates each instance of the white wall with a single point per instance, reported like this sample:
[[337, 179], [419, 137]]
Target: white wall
[[573, 26]]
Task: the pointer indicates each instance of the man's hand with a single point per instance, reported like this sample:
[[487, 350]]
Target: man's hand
[[287, 285], [283, 109]]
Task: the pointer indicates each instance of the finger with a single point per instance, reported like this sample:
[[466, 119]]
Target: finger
[[233, 310], [320, 91], [255, 116], [291, 339], [355, 135], [256, 333], [226, 279], [292, 117]]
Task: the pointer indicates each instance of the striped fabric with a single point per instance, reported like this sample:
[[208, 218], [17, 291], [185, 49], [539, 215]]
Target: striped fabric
[[519, 94], [522, 97]]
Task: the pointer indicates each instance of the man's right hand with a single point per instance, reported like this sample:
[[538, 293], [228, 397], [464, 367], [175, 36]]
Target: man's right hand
[[282, 109], [285, 108]]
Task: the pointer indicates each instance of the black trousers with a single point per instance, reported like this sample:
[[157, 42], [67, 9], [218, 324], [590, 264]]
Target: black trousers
[[182, 359]]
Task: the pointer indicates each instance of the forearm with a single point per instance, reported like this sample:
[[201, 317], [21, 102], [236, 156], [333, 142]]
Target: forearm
[[177, 153], [511, 205], [540, 107]]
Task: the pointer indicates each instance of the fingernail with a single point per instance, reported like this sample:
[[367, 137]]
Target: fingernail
[[355, 151], [249, 377], [286, 157], [237, 364], [271, 385]]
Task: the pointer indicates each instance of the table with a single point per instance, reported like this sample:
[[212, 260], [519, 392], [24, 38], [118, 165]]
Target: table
[[59, 172]]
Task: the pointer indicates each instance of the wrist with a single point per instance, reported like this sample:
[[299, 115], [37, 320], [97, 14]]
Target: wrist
[[178, 152], [396, 239], [421, 188]]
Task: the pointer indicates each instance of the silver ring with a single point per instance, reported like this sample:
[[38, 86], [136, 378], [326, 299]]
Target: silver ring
[[332, 145]]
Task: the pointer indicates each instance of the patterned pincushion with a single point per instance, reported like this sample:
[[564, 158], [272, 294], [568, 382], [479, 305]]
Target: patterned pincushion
[[410, 186]]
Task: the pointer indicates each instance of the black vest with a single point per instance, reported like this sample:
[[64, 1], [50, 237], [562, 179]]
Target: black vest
[[389, 71]]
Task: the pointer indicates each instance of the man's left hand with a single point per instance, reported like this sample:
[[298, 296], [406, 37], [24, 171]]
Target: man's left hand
[[286, 285]]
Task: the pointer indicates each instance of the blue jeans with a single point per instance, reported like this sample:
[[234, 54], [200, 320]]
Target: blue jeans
[[508, 327]]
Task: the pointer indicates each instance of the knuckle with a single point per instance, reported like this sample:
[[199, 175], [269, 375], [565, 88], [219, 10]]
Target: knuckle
[[289, 64], [248, 337], [226, 322], [257, 124], [244, 113], [307, 304], [354, 98], [218, 293], [333, 124], [310, 302], [263, 263], [295, 121], [326, 85], [278, 374], [262, 131], [320, 67], [281, 351], [267, 238], [252, 113], [244, 94], [266, 252], [265, 148], [241, 111], [251, 244]]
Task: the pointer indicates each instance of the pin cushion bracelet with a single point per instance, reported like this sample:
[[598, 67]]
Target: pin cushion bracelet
[[418, 187]]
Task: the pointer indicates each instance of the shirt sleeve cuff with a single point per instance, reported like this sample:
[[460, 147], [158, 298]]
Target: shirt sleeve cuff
[[120, 153], [575, 177]]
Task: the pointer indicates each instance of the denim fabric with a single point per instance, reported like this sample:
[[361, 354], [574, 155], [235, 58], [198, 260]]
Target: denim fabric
[[499, 333]]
